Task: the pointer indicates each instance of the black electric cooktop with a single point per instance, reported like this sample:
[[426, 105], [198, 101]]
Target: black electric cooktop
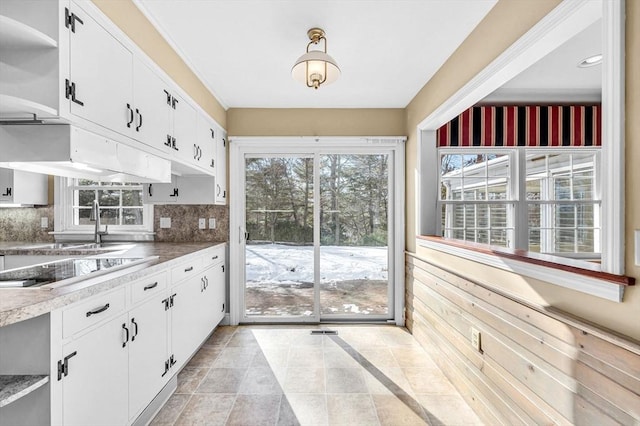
[[52, 272]]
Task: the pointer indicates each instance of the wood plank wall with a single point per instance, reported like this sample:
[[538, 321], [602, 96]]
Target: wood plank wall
[[536, 367]]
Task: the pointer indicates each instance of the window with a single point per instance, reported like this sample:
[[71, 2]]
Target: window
[[476, 193], [563, 205], [121, 205], [483, 194]]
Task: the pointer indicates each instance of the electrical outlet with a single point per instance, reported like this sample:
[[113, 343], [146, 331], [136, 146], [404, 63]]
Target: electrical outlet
[[165, 222], [212, 223], [44, 222], [475, 339], [202, 223]]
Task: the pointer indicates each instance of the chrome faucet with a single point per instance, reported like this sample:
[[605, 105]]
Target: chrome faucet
[[95, 216]]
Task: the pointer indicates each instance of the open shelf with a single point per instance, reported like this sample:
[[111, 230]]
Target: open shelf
[[16, 35], [13, 107], [15, 387]]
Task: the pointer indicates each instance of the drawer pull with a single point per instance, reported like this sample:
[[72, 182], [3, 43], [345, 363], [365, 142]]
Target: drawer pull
[[214, 257], [98, 310], [150, 286], [189, 269]]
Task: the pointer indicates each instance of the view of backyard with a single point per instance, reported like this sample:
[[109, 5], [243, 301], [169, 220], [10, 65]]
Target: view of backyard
[[352, 272]]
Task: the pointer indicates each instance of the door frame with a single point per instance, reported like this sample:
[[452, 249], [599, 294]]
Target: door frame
[[270, 146]]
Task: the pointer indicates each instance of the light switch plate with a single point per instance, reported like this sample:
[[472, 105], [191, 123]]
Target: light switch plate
[[44, 222], [637, 246], [165, 222], [202, 223], [212, 223]]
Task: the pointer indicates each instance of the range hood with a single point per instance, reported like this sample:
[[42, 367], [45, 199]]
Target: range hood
[[65, 150]]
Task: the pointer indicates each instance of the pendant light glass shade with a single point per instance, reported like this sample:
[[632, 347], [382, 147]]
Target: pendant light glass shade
[[316, 67]]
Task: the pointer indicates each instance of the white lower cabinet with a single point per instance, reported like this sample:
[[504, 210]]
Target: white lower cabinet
[[121, 347], [218, 294], [147, 353], [185, 319], [94, 374]]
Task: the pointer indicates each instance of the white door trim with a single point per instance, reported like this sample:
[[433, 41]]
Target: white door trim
[[240, 146]]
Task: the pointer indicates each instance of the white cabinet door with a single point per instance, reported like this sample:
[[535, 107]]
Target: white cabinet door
[[21, 187], [94, 389], [182, 190], [152, 106], [185, 319], [221, 168], [6, 185], [101, 75], [206, 141], [214, 293], [218, 287], [184, 129], [162, 193], [148, 353]]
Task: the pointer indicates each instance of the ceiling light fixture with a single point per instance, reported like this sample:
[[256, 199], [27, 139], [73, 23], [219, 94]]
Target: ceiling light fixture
[[316, 67], [591, 61]]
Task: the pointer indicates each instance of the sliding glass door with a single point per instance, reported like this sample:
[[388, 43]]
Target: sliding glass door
[[316, 234], [354, 254], [279, 249]]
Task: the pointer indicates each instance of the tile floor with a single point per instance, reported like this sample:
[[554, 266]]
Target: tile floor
[[283, 375]]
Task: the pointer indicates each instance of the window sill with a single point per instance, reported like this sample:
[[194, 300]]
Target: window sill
[[541, 267]]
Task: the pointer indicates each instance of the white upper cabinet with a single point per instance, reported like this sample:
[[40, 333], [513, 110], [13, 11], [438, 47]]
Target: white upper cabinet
[[221, 169], [100, 82], [18, 187], [181, 190], [151, 109], [63, 61], [183, 131], [206, 143]]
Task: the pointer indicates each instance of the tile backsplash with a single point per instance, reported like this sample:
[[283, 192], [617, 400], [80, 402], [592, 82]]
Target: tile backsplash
[[23, 224], [184, 223]]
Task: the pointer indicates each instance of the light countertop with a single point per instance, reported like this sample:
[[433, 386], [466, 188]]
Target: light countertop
[[18, 304]]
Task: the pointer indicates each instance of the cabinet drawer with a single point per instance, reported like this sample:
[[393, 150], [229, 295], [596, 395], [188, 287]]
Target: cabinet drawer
[[92, 311], [186, 269], [213, 256], [148, 286]]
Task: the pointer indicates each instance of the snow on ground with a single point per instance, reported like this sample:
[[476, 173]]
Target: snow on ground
[[282, 264]]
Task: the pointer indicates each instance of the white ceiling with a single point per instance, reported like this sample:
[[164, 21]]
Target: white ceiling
[[243, 50], [557, 77]]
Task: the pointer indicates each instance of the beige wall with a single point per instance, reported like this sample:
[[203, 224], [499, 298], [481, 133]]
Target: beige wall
[[513, 18], [315, 122], [136, 26]]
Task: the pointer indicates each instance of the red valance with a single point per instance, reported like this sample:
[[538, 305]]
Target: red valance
[[529, 126]]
